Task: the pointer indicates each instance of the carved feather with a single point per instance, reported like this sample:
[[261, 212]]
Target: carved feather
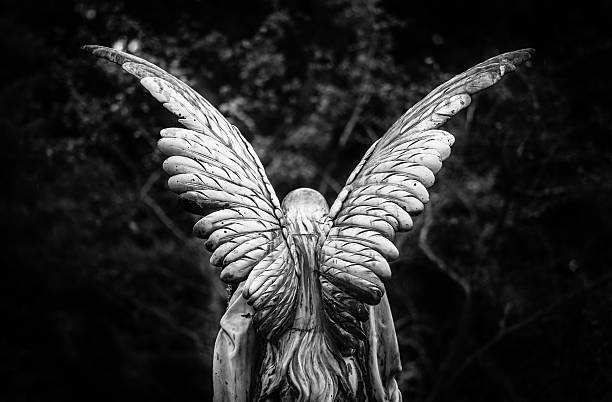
[[307, 271], [218, 175], [388, 186]]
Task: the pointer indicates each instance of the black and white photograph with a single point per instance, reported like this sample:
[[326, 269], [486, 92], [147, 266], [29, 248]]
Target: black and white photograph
[[306, 200]]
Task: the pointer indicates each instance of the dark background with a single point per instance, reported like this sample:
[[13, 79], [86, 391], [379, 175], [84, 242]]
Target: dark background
[[503, 290]]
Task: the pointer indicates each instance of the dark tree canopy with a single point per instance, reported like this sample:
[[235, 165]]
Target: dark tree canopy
[[504, 290]]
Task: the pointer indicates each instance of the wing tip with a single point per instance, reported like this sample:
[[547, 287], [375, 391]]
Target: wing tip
[[97, 50], [103, 52], [489, 72], [89, 48], [508, 62], [518, 57]]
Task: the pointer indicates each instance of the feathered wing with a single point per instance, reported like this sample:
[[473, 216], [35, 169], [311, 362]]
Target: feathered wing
[[389, 186], [218, 175]]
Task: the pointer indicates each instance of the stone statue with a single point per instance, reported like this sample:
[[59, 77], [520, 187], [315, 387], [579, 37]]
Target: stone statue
[[309, 319]]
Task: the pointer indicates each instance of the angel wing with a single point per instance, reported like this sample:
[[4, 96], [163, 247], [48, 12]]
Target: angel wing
[[218, 175], [389, 186]]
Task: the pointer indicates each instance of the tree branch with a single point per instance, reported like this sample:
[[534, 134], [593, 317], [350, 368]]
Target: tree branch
[[505, 331], [162, 317], [463, 320], [146, 198], [433, 257], [355, 115]]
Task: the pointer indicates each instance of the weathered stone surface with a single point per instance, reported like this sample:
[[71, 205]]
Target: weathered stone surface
[[309, 319]]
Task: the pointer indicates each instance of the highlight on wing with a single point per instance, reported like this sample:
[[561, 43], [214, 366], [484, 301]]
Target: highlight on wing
[[311, 279]]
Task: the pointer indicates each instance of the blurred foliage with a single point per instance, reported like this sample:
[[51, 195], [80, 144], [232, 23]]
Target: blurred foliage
[[503, 288]]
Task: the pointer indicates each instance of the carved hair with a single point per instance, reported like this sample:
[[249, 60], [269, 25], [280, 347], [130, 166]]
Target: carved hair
[[302, 367], [302, 364]]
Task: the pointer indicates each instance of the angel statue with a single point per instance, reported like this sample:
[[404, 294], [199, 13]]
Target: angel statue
[[309, 319]]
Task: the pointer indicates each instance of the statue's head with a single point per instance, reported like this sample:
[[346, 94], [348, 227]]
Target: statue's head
[[302, 355], [305, 202]]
